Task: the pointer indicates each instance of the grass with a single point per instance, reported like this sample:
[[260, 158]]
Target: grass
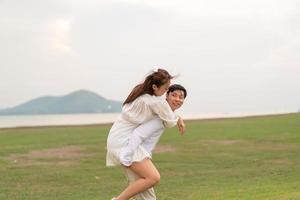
[[255, 158]]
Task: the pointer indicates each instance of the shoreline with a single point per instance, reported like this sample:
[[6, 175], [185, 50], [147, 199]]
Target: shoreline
[[187, 118]]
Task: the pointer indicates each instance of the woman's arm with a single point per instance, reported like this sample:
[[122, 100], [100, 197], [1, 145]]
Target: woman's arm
[[166, 113], [161, 107]]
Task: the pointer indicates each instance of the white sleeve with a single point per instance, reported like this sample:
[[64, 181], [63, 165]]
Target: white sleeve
[[135, 112], [164, 112], [140, 134]]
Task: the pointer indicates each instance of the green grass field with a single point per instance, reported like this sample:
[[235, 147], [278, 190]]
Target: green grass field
[[256, 158]]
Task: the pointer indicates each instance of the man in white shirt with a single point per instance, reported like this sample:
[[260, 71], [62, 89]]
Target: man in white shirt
[[147, 135]]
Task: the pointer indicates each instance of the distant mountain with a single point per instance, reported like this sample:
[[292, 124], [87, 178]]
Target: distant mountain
[[81, 101]]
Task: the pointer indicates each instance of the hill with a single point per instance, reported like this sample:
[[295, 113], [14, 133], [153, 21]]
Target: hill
[[81, 101]]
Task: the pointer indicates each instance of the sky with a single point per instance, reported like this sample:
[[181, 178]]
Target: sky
[[232, 56]]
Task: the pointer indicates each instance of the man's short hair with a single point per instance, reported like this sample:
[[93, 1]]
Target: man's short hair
[[174, 87]]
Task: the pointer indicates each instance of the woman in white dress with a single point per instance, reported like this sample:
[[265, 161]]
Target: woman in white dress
[[147, 135], [144, 103]]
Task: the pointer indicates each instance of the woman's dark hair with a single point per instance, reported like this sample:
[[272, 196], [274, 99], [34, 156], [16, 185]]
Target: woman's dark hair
[[174, 87], [158, 78]]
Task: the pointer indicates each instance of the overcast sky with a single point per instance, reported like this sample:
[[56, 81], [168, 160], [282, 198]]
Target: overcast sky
[[232, 56]]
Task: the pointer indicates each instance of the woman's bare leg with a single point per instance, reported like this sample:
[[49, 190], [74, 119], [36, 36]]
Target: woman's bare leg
[[149, 177]]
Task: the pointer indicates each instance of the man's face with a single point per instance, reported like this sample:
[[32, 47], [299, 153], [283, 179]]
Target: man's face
[[175, 99]]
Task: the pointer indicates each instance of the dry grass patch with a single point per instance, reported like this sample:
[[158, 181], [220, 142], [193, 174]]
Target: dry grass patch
[[268, 146], [221, 142], [62, 156], [164, 148], [282, 161]]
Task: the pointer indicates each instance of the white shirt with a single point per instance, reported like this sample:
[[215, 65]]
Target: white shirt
[[141, 110]]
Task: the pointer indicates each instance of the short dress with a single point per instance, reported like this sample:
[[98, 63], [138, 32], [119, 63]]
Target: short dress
[[141, 110]]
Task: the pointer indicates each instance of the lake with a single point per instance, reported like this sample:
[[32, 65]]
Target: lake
[[10, 121], [51, 120]]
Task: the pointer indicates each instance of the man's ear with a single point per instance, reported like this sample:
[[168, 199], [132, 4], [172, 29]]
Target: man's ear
[[154, 87], [167, 95]]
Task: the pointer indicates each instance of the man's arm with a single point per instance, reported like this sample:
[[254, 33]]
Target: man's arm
[[138, 136]]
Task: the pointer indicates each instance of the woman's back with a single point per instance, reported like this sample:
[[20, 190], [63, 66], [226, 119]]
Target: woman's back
[[141, 110], [133, 114]]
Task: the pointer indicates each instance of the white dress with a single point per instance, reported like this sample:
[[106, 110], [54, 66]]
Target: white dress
[[141, 110]]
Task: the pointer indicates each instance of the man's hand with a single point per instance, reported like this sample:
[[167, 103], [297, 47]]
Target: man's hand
[[181, 125]]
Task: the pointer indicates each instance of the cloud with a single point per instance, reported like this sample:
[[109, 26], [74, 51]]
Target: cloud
[[284, 58], [255, 9], [59, 32]]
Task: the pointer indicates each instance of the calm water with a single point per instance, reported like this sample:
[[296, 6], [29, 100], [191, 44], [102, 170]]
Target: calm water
[[85, 119], [51, 120]]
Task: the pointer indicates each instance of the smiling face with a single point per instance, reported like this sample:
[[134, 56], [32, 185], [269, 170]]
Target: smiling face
[[159, 91], [175, 99]]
